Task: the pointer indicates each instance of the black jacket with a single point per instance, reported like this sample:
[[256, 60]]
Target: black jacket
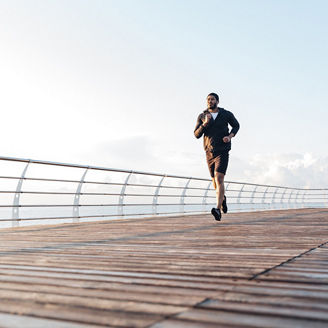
[[216, 130]]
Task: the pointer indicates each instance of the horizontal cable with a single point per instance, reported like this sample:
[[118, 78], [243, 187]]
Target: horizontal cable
[[100, 194], [306, 196], [98, 216], [94, 205], [136, 204], [104, 183], [97, 168], [31, 161]]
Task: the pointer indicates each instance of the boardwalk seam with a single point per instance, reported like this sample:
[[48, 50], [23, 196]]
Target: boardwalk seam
[[285, 262], [174, 316]]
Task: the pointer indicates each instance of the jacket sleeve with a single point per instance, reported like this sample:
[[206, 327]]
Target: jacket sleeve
[[199, 129], [234, 124]]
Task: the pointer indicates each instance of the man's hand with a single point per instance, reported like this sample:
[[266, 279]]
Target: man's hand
[[207, 119], [226, 139]]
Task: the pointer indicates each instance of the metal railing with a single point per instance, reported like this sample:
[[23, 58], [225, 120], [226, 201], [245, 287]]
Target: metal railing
[[35, 191]]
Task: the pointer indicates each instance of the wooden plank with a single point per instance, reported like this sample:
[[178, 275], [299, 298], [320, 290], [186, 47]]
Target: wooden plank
[[270, 306], [125, 293], [243, 319], [19, 321], [78, 315], [299, 303], [90, 302], [175, 323]]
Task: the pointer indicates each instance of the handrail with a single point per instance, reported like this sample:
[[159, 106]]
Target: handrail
[[111, 193]]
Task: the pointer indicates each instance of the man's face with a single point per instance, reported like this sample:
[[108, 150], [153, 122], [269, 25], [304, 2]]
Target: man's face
[[211, 102]]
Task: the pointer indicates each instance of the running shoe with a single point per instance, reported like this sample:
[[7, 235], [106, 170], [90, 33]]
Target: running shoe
[[216, 213], [224, 206]]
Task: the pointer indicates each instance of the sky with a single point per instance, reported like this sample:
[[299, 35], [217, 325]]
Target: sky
[[120, 84]]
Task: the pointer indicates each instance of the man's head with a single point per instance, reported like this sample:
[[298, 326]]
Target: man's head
[[212, 100]]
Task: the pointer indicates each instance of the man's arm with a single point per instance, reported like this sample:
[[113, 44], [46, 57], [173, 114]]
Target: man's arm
[[235, 127], [234, 124], [201, 126]]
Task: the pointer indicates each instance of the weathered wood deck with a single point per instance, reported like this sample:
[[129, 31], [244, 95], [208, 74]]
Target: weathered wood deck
[[263, 269]]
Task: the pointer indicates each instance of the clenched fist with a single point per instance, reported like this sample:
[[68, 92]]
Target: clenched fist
[[207, 119]]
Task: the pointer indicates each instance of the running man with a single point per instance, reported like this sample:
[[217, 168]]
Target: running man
[[214, 123]]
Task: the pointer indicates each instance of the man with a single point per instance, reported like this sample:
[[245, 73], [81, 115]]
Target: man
[[214, 123]]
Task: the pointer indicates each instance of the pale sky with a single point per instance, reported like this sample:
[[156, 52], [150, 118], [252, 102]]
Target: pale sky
[[121, 83]]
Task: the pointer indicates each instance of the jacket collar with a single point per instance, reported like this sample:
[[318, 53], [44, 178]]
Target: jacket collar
[[221, 109]]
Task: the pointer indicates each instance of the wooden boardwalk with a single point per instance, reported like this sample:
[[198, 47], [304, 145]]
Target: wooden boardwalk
[[263, 269]]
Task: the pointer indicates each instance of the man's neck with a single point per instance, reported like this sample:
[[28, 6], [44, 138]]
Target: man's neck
[[213, 110]]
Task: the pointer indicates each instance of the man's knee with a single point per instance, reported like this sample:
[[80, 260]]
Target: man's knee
[[219, 178]]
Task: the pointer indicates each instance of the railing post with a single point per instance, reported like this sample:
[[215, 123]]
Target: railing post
[[283, 196], [239, 194], [205, 196], [264, 194], [155, 198], [290, 197], [15, 211], [274, 197], [303, 198], [183, 194], [121, 199], [296, 198], [253, 195], [76, 205]]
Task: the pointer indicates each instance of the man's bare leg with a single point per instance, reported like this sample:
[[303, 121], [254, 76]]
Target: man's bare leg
[[214, 183], [219, 184]]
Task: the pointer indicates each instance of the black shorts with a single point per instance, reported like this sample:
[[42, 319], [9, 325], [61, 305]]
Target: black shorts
[[217, 162]]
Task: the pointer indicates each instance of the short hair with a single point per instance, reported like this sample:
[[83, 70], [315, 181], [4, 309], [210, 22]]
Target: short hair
[[214, 95]]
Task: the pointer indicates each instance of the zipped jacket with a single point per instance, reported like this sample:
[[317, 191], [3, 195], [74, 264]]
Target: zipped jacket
[[216, 130]]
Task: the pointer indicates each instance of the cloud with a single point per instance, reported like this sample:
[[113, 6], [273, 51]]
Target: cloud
[[293, 170]]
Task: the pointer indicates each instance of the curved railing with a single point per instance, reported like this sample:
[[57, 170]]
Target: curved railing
[[42, 191]]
